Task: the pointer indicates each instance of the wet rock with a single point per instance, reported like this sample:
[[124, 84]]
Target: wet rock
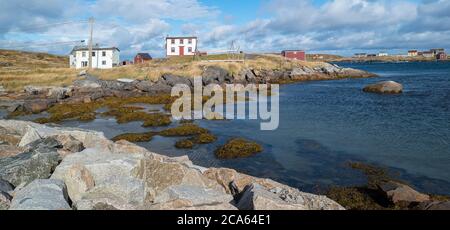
[[42, 195], [36, 163], [400, 193], [385, 87], [214, 74]]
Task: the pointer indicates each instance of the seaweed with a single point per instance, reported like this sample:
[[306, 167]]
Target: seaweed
[[238, 148]]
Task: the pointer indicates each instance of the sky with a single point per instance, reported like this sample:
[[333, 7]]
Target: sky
[[341, 27]]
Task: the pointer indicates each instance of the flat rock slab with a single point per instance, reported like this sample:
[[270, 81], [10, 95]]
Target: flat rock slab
[[42, 195]]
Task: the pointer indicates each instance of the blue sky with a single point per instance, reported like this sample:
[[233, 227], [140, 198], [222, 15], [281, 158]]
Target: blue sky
[[318, 26]]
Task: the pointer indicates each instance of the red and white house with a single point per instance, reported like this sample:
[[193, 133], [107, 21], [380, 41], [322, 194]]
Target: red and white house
[[181, 46], [294, 54]]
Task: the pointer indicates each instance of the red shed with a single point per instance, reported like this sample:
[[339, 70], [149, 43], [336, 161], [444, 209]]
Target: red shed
[[294, 54], [142, 57]]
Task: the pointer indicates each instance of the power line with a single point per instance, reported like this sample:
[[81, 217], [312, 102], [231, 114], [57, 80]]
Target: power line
[[37, 45], [39, 26]]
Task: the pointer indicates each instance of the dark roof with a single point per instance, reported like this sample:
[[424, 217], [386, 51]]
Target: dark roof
[[96, 47], [181, 37], [144, 55]]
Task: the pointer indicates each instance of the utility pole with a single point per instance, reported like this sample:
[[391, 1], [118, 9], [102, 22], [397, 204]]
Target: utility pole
[[91, 24]]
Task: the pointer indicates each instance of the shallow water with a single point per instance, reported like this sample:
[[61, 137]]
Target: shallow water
[[325, 124]]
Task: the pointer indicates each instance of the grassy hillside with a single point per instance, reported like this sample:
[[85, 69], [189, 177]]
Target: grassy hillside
[[18, 69]]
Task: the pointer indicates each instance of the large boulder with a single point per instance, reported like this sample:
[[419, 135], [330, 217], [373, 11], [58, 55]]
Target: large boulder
[[38, 105], [399, 193], [385, 87], [173, 80], [88, 83], [59, 93], [258, 197], [214, 74], [36, 163], [41, 195]]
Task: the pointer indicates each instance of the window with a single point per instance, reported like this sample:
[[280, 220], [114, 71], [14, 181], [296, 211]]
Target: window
[[93, 54], [104, 53], [103, 62], [84, 64], [173, 50], [190, 41], [190, 49], [181, 41], [173, 41], [83, 54]]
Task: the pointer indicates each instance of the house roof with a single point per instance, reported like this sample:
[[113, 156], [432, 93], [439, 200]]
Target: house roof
[[96, 47], [181, 37], [293, 51], [144, 55]]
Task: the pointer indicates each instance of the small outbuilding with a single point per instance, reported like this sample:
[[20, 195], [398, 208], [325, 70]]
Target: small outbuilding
[[441, 56], [142, 57], [294, 54]]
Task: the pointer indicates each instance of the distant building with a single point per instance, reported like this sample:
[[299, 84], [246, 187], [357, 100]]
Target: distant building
[[371, 55], [441, 56], [428, 54], [294, 54], [142, 57], [413, 53], [181, 46], [102, 58], [360, 55], [383, 54], [437, 51]]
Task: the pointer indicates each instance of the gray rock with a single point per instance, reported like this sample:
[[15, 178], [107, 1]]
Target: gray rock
[[30, 136], [434, 205], [41, 195], [59, 93], [89, 82], [173, 80], [258, 197], [193, 195], [38, 105], [6, 187], [385, 87], [36, 163], [35, 90], [214, 74]]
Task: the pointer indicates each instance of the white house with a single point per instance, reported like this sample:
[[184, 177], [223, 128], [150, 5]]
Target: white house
[[181, 46], [102, 58], [383, 54]]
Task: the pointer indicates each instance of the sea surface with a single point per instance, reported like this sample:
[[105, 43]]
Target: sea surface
[[326, 124]]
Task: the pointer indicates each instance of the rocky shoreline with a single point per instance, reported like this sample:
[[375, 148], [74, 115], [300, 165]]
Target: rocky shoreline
[[35, 99], [56, 168]]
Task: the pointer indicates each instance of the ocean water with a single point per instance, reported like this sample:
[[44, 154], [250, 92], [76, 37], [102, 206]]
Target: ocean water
[[325, 124]]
